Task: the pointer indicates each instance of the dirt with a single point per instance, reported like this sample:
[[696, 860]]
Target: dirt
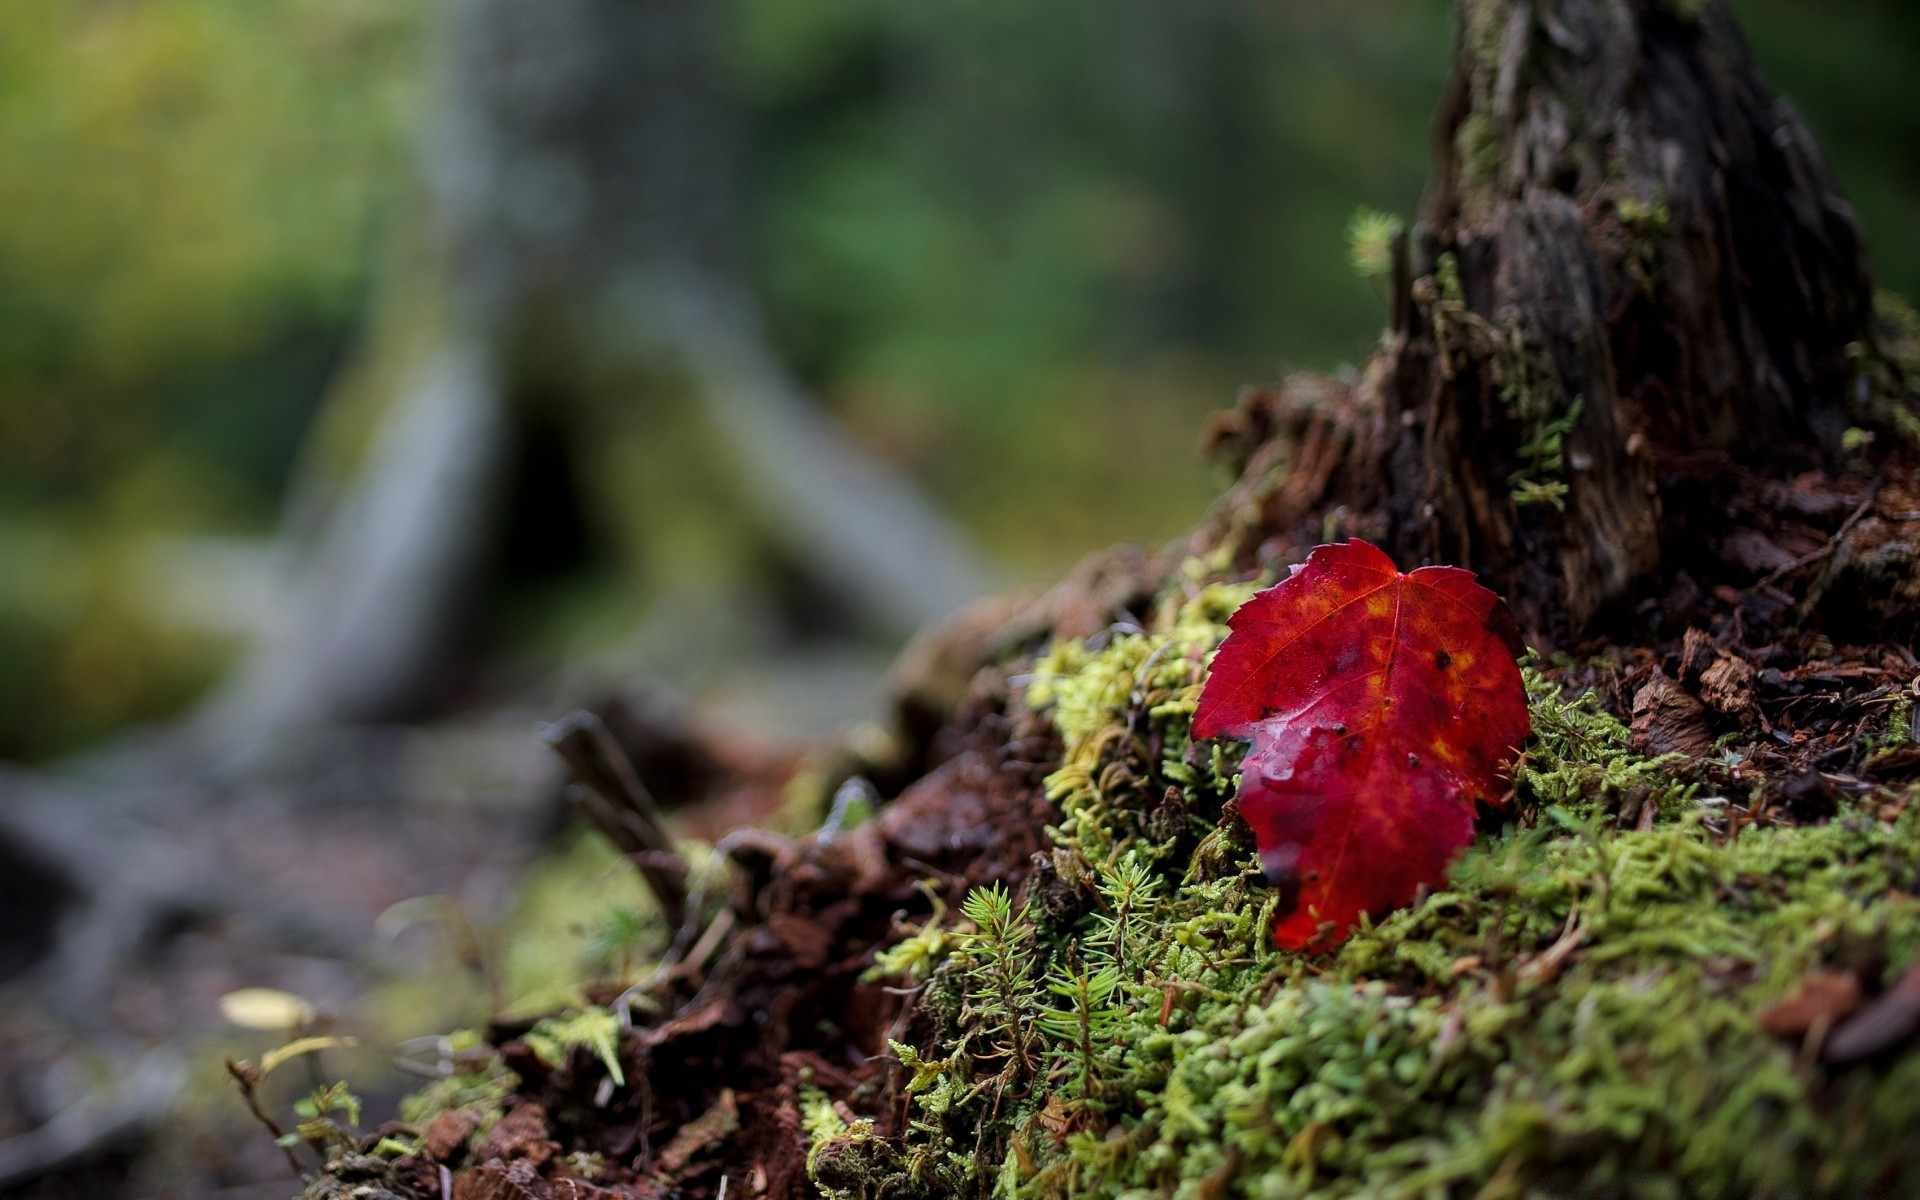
[[745, 1021]]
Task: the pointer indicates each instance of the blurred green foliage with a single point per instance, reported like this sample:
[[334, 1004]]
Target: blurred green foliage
[[193, 192], [1026, 247], [1020, 248]]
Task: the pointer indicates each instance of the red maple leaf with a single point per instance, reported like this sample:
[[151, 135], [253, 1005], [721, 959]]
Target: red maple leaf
[[1382, 708]]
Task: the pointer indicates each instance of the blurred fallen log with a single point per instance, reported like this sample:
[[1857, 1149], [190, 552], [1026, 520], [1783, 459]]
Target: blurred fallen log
[[117, 1112]]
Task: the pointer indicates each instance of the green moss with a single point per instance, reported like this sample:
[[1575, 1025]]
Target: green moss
[[1477, 147], [582, 914], [1643, 216], [593, 1029], [845, 1159], [1110, 704], [1899, 724], [473, 1077], [1648, 224], [1531, 395], [913, 958], [1580, 757], [1575, 1013], [1889, 365], [1446, 274]]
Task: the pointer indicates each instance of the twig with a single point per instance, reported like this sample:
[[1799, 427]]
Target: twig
[[709, 942], [619, 805], [248, 1078], [1833, 543]]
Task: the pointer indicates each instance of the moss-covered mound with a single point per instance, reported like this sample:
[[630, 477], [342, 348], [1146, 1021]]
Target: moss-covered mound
[[1675, 976], [1580, 1013]]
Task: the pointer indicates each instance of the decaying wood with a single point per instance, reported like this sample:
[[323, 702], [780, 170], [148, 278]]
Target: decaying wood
[[1633, 274]]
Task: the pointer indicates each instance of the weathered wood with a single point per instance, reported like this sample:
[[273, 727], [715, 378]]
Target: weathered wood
[[1632, 262]]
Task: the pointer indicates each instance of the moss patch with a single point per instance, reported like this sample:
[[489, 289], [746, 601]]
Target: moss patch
[[1576, 1013]]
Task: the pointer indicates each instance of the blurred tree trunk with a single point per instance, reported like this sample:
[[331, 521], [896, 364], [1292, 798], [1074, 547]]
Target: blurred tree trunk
[[585, 173]]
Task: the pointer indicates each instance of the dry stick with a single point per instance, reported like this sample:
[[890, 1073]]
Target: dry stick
[[1833, 543], [619, 805], [248, 1078]]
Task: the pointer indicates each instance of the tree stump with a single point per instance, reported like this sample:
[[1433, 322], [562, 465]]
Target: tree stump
[[1633, 275]]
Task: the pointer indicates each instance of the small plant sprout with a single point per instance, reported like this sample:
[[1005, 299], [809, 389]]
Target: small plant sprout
[[1001, 995], [1370, 238]]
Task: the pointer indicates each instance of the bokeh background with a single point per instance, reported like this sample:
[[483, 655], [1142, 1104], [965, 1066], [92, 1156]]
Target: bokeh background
[[1003, 258], [1017, 250]]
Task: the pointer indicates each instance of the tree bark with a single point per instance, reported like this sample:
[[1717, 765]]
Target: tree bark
[[1633, 271]]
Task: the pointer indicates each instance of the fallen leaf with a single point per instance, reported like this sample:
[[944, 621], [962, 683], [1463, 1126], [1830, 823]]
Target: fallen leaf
[[266, 1008], [1889, 1020], [717, 1123], [1382, 709], [1668, 720], [1817, 1002]]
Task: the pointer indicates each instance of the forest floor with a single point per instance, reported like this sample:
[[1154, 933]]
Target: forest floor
[[399, 880], [1684, 961]]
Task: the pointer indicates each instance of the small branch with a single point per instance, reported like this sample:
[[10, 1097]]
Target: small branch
[[616, 803], [248, 1077], [1833, 543]]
